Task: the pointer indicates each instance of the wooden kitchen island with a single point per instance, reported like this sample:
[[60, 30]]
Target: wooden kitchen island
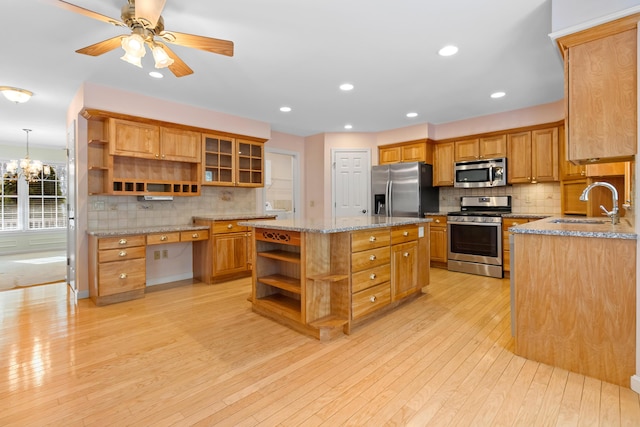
[[323, 278]]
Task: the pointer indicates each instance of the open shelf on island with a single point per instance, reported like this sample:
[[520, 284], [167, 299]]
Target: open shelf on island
[[280, 281], [281, 255], [329, 277], [282, 304]]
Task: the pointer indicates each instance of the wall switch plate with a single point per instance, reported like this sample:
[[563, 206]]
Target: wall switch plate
[[156, 255], [165, 253]]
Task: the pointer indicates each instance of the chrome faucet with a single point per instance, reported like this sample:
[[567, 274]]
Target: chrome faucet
[[615, 217]]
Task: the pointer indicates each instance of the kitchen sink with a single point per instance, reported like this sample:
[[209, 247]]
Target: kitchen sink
[[580, 221]]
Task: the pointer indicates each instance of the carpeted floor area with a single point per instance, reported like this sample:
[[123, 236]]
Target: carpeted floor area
[[21, 270]]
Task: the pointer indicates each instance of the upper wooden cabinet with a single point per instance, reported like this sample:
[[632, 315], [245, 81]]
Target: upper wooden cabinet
[[443, 164], [414, 151], [232, 162], [148, 141], [488, 147], [533, 156], [601, 91]]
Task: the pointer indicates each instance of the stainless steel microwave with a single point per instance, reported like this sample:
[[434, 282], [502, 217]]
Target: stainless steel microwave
[[481, 173]]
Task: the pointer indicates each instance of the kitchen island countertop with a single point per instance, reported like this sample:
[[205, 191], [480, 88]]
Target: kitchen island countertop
[[334, 225], [576, 226]]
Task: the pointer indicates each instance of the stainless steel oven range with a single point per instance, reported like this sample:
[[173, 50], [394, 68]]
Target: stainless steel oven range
[[475, 235]]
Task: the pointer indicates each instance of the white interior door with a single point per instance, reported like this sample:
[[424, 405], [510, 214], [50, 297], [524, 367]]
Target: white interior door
[[351, 182]]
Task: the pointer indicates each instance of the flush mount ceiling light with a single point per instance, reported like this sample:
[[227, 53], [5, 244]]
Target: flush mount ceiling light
[[155, 74], [346, 87], [347, 126], [448, 50], [496, 95], [285, 109], [15, 94], [412, 115]]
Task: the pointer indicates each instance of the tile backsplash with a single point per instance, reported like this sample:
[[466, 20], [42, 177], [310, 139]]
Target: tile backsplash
[[107, 213], [541, 198]]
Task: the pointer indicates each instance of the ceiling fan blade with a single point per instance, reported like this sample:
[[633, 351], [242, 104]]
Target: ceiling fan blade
[[101, 47], [149, 10], [89, 13], [178, 68], [222, 47]]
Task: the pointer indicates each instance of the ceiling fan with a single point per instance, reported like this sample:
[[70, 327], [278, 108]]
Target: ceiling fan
[[144, 19]]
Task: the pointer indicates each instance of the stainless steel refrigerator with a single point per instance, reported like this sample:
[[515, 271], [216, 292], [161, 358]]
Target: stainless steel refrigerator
[[403, 189]]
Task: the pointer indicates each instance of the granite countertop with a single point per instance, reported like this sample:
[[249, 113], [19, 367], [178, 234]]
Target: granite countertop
[[504, 215], [147, 230], [334, 225], [576, 226], [230, 217]]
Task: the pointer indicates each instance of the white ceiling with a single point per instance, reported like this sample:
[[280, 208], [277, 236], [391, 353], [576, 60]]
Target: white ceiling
[[295, 53]]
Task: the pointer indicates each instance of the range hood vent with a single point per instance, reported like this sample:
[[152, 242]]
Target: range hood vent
[[154, 198]]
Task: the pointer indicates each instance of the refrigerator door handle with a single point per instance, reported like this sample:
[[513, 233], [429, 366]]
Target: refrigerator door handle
[[389, 201]]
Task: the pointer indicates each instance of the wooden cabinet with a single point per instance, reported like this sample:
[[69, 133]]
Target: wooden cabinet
[[443, 164], [413, 151], [371, 283], [404, 261], [570, 191], [117, 269], [149, 141], [568, 169], [533, 156], [232, 162], [486, 147], [601, 91], [225, 252], [506, 248], [438, 241]]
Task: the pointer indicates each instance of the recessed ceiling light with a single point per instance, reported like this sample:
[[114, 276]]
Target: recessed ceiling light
[[412, 115], [285, 109], [156, 74], [346, 87], [448, 50], [348, 126], [496, 95]]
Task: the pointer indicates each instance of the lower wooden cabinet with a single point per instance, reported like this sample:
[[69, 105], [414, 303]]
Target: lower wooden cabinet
[[438, 241], [117, 268]]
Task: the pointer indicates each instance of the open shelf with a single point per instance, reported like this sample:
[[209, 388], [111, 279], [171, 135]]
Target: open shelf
[[330, 321], [283, 305], [281, 255], [332, 278], [283, 282]]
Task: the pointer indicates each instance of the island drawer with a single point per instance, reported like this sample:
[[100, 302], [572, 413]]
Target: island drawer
[[227, 227], [122, 254], [122, 276], [405, 233], [160, 238], [121, 242], [368, 278], [194, 235], [370, 300], [369, 239], [371, 258]]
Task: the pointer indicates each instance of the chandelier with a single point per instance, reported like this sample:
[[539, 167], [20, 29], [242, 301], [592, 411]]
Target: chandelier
[[31, 170]]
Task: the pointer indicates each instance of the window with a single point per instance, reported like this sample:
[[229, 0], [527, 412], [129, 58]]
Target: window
[[36, 205]]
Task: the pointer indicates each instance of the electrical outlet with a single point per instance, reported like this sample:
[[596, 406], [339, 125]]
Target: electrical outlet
[[165, 253], [156, 255]]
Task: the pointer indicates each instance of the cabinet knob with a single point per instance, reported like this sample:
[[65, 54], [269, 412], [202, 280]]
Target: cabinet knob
[[437, 221], [372, 276], [372, 257], [163, 238], [405, 234], [162, 156], [230, 226], [372, 238], [195, 235], [123, 275], [582, 173], [406, 254], [122, 242], [513, 224], [373, 298], [122, 253], [157, 156]]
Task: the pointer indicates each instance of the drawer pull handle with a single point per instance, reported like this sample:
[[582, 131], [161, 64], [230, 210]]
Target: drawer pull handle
[[372, 257], [405, 234], [195, 235], [372, 276], [373, 298], [123, 275], [372, 238], [230, 226], [163, 238], [406, 254], [437, 221], [122, 253], [122, 242]]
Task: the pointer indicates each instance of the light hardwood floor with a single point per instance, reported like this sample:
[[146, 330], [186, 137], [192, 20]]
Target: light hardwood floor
[[197, 355]]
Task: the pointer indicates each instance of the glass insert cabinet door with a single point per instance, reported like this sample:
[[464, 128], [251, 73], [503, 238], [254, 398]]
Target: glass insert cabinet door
[[218, 160], [250, 163]]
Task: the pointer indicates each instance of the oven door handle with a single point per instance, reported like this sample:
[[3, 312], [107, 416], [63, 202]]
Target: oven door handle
[[454, 222]]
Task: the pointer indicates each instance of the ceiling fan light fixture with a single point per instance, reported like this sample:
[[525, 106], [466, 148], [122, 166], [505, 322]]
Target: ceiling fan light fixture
[[15, 94], [161, 57], [133, 46]]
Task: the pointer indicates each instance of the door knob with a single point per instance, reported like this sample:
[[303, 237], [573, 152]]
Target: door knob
[[364, 211]]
